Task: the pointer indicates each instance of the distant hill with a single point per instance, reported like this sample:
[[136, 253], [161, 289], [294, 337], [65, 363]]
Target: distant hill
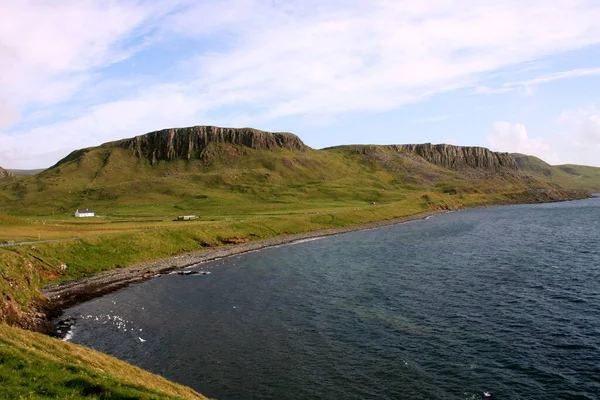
[[217, 169], [25, 172], [568, 176]]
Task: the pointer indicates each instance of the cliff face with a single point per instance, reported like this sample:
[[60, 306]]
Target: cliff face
[[188, 143], [460, 157], [4, 173]]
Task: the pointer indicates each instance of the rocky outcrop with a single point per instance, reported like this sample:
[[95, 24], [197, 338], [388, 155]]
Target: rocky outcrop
[[4, 173], [460, 157], [188, 143]]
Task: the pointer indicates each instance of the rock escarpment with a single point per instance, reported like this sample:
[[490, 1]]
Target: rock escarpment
[[188, 143], [460, 157], [4, 173]]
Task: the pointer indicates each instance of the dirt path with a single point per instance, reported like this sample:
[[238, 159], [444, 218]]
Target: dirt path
[[37, 242]]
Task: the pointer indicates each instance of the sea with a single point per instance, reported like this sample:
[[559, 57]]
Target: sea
[[499, 302]]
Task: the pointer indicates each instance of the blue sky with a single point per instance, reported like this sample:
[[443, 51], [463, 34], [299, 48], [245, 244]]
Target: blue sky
[[511, 75]]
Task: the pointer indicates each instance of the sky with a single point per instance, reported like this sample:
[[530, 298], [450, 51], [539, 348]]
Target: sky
[[512, 75]]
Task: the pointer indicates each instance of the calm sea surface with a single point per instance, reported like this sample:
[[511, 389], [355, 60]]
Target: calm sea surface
[[503, 300]]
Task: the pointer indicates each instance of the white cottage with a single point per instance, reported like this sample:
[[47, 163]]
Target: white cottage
[[84, 213]]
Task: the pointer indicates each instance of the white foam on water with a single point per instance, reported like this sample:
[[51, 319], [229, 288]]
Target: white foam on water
[[308, 240], [70, 334]]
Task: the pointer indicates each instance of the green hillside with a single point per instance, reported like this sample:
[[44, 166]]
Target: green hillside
[[568, 176], [233, 179], [581, 176], [110, 180]]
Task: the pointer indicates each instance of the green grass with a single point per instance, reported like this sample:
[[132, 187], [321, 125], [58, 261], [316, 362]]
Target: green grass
[[568, 176], [35, 366], [116, 184]]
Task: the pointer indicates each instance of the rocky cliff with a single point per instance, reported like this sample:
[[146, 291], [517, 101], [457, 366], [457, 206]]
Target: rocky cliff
[[459, 157], [4, 173], [188, 143]]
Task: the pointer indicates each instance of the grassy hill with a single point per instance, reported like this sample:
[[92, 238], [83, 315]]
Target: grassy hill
[[581, 176], [111, 180], [568, 176], [234, 179], [245, 185]]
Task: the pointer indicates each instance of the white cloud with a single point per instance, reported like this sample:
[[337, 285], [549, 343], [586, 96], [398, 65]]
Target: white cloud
[[8, 113], [257, 60], [513, 138], [527, 86], [436, 118], [160, 107], [384, 54], [579, 135], [576, 139], [48, 50], [574, 73], [491, 90]]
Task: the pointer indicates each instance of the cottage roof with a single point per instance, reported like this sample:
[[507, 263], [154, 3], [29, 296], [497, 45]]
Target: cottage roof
[[84, 210]]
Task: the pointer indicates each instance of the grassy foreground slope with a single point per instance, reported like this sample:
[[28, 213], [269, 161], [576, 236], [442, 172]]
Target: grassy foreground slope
[[33, 365]]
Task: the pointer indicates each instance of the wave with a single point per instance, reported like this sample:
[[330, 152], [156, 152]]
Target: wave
[[69, 335], [308, 240]]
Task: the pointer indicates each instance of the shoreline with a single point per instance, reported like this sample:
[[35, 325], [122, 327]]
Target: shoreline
[[69, 293]]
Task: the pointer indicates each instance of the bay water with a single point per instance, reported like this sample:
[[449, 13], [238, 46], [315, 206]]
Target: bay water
[[504, 300]]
